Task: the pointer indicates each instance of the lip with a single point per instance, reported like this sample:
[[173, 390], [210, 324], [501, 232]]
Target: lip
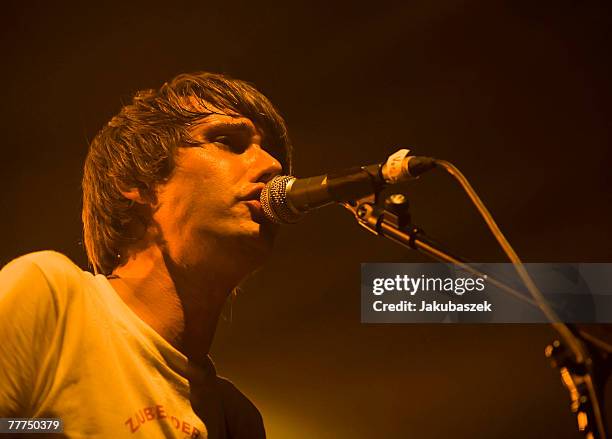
[[253, 193], [256, 211]]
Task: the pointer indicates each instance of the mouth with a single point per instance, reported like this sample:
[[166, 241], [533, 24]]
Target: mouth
[[251, 197], [251, 193]]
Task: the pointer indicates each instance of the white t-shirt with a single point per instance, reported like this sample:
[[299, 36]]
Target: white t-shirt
[[70, 348]]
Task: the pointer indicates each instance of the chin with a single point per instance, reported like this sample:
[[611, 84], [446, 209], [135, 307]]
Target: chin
[[265, 232], [251, 256], [262, 239]]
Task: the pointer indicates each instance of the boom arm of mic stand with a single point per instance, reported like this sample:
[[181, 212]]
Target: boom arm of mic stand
[[393, 223]]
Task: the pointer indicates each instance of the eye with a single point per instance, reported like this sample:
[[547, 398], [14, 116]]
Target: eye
[[222, 140], [230, 143]]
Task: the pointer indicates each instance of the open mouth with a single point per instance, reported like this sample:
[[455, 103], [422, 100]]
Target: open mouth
[[251, 199]]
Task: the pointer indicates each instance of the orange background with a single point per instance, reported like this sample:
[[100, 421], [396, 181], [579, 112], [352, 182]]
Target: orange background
[[517, 95]]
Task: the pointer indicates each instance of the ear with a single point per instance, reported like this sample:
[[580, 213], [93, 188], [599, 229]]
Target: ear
[[135, 195]]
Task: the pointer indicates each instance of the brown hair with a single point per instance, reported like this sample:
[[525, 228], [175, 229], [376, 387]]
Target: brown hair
[[136, 149]]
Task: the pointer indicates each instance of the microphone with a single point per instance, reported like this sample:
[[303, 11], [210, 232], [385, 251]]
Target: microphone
[[285, 199]]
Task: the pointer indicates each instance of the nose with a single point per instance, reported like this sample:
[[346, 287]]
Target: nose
[[266, 166]]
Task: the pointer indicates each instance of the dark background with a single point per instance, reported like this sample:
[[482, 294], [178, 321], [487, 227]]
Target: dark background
[[516, 94]]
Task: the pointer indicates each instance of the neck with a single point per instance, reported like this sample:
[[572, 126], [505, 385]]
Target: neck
[[181, 304]]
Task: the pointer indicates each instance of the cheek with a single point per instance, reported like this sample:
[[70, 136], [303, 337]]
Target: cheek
[[190, 197], [201, 184], [210, 167]]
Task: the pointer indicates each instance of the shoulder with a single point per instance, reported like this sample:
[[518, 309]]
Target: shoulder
[[41, 276], [46, 262], [34, 291]]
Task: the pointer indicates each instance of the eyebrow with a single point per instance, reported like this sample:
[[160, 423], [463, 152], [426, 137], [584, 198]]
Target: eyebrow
[[237, 126]]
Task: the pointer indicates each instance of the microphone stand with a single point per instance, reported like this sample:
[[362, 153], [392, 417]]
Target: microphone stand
[[584, 380]]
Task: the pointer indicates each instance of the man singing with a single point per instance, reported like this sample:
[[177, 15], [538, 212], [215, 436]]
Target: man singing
[[172, 224]]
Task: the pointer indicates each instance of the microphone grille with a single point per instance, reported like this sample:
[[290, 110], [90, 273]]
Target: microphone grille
[[274, 202]]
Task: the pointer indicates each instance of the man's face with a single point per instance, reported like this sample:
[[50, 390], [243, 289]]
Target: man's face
[[209, 208]]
